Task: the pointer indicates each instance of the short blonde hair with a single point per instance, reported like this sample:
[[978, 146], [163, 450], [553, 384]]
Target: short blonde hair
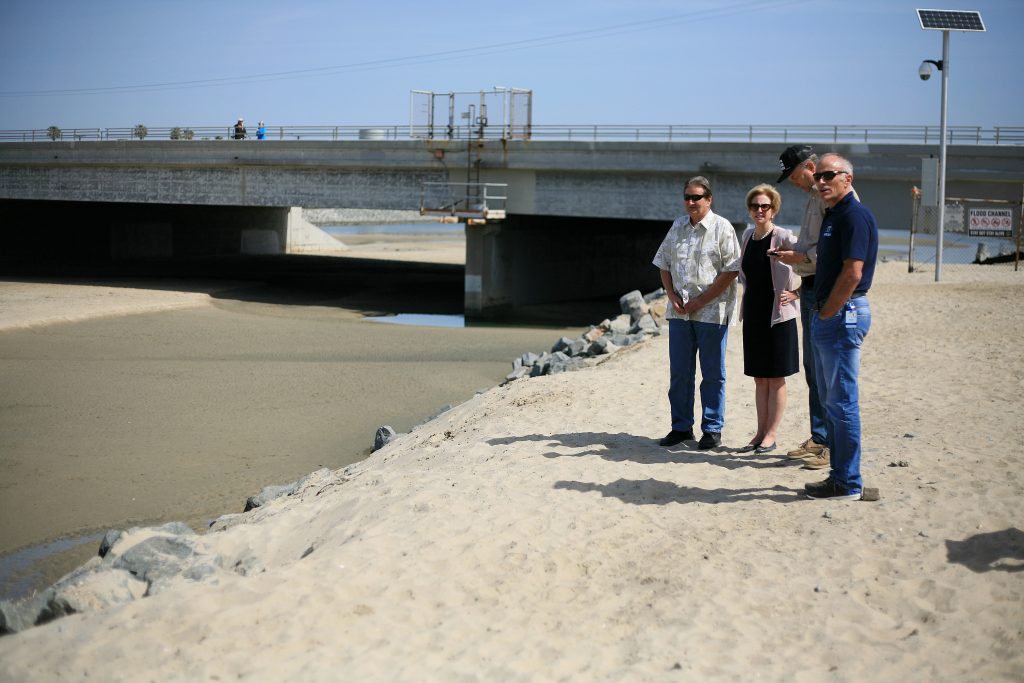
[[771, 192]]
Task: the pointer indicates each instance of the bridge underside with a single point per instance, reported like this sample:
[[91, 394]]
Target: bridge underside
[[69, 232], [515, 268]]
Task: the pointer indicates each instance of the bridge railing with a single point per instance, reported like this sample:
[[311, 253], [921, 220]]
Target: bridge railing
[[960, 135]]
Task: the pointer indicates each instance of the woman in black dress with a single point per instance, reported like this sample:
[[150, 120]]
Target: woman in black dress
[[770, 310]]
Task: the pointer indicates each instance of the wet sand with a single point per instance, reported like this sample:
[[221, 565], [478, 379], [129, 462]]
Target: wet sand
[[128, 403]]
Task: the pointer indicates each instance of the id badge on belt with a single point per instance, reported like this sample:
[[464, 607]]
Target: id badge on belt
[[850, 315]]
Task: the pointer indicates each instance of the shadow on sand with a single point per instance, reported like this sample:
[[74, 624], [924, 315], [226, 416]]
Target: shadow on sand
[[1001, 551], [366, 286], [623, 447]]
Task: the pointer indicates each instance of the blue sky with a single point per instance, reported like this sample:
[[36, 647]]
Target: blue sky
[[320, 62]]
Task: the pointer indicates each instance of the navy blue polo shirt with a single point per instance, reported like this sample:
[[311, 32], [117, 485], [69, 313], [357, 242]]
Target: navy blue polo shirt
[[848, 230]]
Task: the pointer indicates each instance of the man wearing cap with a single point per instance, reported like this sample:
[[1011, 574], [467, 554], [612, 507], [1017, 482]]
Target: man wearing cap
[[240, 130], [799, 163], [699, 261]]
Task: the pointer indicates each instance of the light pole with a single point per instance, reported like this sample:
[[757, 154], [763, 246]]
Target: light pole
[[945, 21]]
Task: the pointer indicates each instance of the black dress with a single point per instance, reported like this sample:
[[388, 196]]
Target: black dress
[[767, 351]]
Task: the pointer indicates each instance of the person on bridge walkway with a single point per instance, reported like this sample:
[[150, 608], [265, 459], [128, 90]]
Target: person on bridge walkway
[[240, 129], [699, 261]]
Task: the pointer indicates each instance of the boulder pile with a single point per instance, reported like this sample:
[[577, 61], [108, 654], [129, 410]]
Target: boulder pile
[[143, 561], [641, 316]]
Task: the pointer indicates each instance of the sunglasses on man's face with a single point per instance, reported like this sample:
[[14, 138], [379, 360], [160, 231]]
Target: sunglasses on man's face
[[827, 176], [694, 197]]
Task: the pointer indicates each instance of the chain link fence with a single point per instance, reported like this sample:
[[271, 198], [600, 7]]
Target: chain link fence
[[978, 232]]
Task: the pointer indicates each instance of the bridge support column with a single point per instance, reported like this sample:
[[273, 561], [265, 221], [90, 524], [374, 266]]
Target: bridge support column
[[516, 266]]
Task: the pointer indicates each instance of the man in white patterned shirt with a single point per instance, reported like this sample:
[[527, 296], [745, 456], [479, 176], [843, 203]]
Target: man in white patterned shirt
[[699, 262]]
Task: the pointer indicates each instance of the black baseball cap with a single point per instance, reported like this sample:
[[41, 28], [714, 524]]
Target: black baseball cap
[[792, 157]]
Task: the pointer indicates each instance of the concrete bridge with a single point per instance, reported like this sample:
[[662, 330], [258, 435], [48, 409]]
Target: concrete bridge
[[583, 218]]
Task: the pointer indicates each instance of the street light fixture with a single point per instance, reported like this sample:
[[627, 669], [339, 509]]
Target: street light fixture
[[944, 20]]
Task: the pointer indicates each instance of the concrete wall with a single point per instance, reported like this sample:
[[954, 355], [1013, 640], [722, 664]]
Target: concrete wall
[[526, 261]]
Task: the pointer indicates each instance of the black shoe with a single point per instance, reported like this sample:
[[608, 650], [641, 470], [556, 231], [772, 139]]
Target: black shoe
[[765, 448], [830, 490], [709, 440], [676, 437]]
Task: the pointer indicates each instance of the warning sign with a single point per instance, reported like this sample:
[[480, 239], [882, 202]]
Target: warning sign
[[990, 222]]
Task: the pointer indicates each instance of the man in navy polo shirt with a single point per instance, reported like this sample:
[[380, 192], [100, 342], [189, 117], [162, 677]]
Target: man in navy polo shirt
[[847, 250]]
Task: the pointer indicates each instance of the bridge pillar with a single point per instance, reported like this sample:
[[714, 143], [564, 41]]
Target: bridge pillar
[[515, 266]]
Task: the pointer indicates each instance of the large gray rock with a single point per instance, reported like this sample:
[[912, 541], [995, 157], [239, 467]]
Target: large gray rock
[[529, 358], [645, 325], [566, 365], [518, 373], [656, 294], [269, 493], [602, 346], [621, 324], [383, 436], [633, 305], [561, 345], [577, 347], [157, 558], [109, 540], [19, 615], [95, 590]]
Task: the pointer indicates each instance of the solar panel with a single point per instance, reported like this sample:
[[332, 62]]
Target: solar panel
[[950, 20]]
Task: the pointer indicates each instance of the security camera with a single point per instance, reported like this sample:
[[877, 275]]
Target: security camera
[[925, 72]]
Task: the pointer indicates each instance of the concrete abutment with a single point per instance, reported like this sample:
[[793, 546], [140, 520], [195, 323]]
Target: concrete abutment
[[528, 261]]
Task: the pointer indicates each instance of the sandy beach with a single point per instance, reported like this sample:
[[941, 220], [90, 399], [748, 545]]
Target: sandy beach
[[536, 532]]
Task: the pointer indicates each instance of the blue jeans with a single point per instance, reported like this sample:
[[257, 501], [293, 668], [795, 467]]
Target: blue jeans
[[837, 367], [819, 432], [686, 340]]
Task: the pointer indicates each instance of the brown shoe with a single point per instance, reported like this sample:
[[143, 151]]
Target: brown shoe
[[820, 461], [807, 448]]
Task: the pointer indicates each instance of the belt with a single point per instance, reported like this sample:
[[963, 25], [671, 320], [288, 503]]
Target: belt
[[856, 295]]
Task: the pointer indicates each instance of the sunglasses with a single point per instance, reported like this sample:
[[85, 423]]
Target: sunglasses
[[694, 197], [828, 175], [759, 207]]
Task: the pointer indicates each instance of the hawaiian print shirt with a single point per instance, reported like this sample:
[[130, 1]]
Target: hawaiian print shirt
[[695, 255]]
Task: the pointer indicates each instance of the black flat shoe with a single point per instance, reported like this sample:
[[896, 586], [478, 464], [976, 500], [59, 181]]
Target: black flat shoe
[[765, 449], [709, 440], [676, 437], [749, 448]]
